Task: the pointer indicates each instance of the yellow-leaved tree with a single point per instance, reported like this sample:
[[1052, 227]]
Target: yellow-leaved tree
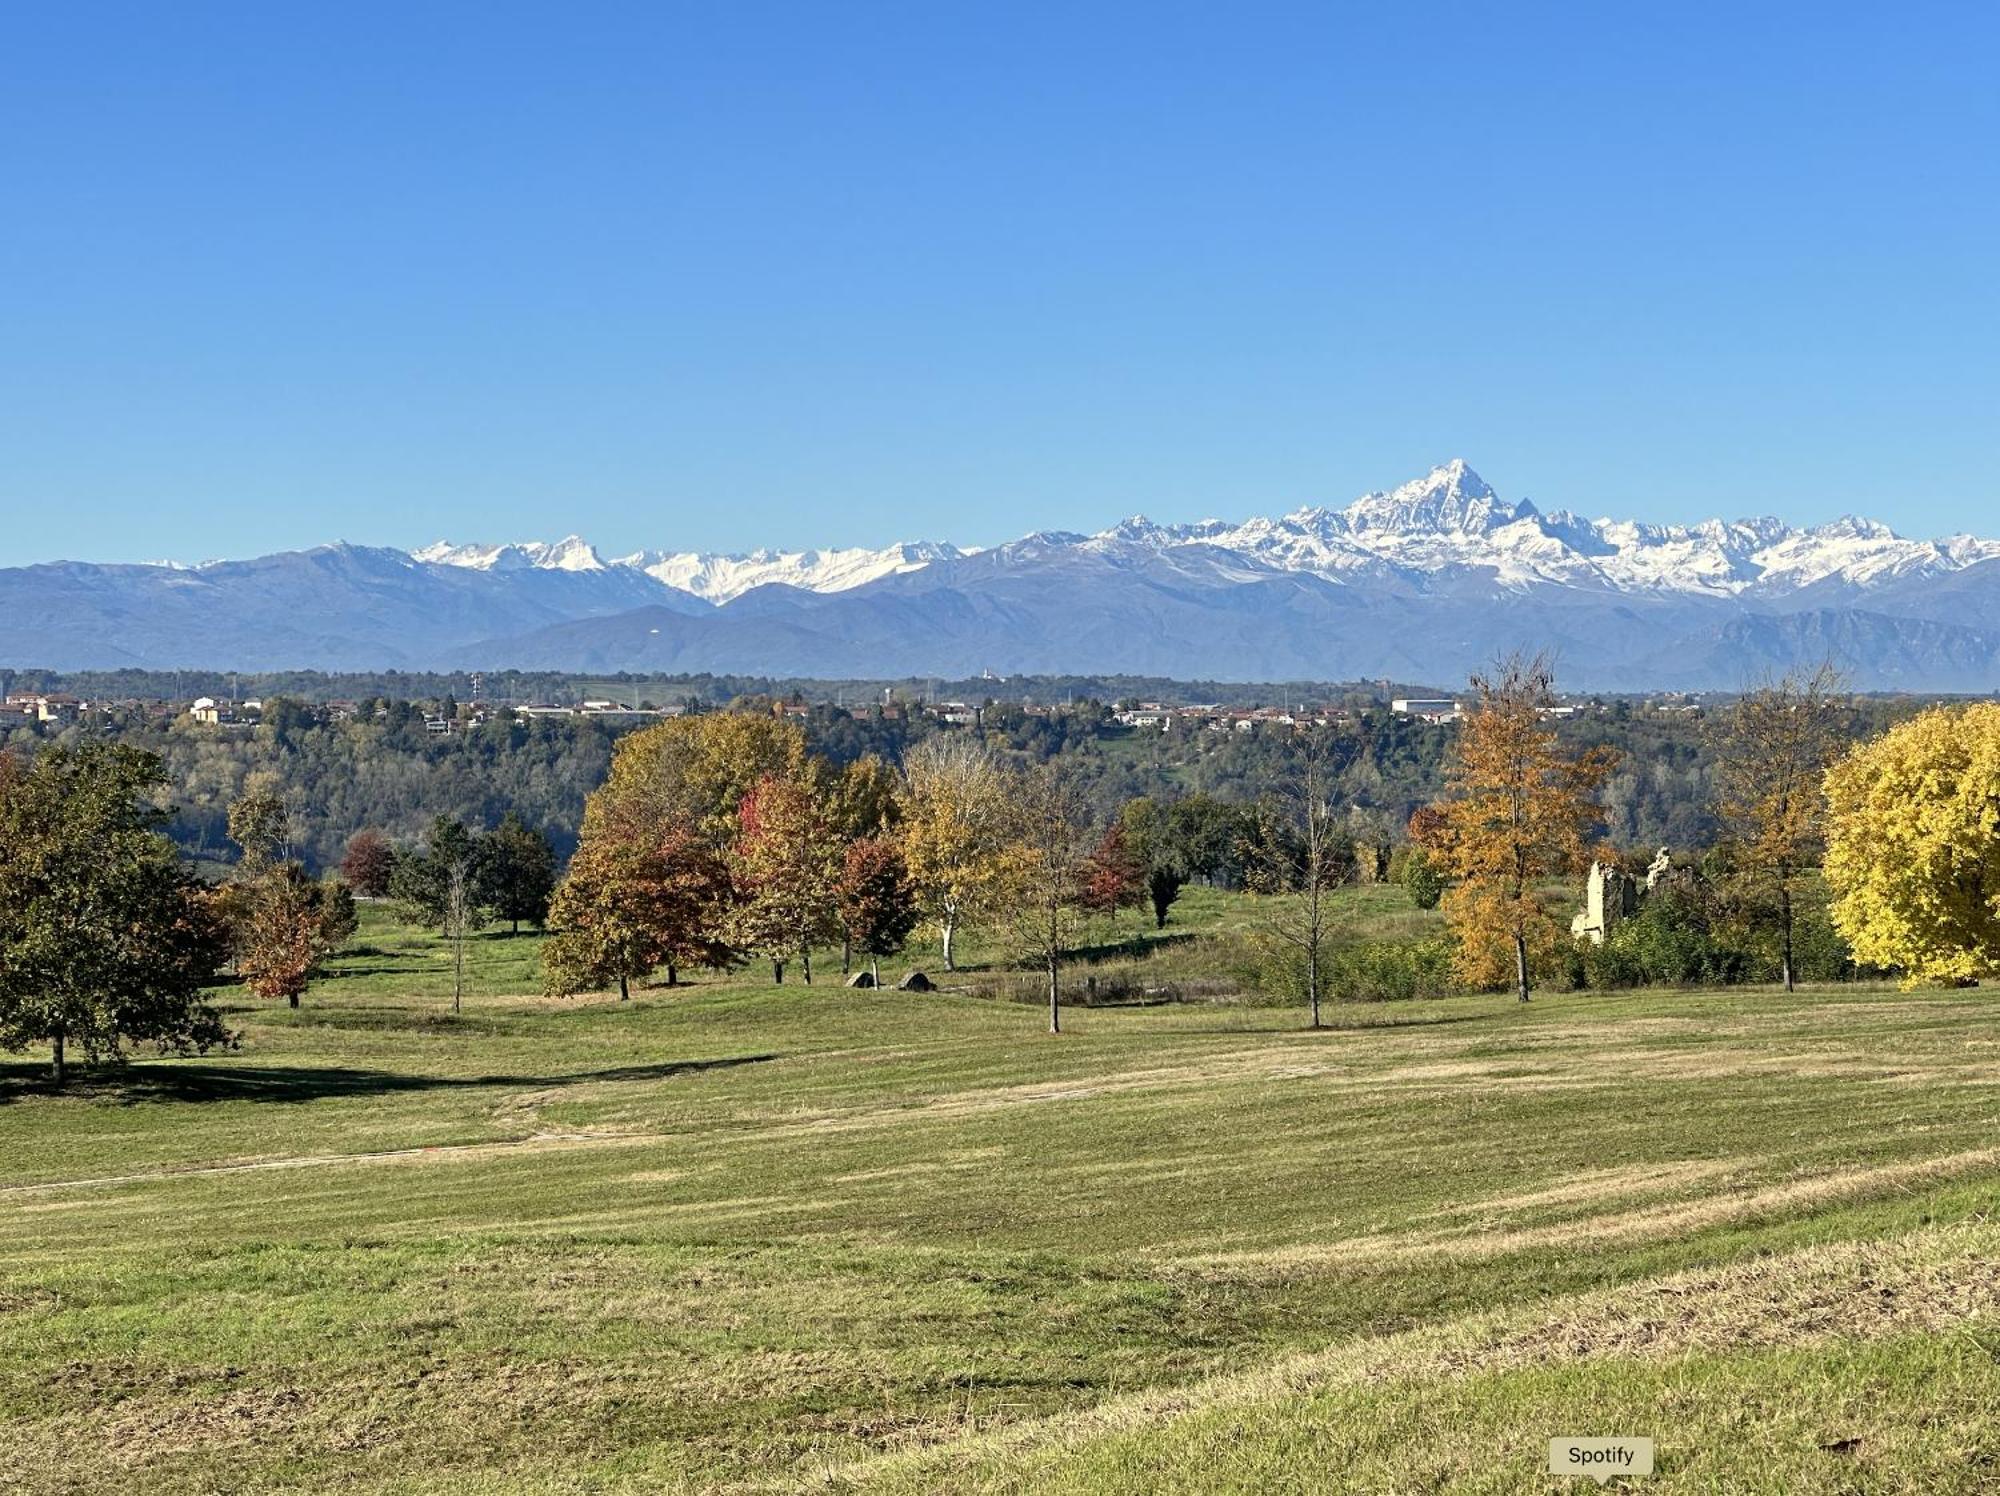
[[1913, 846], [957, 834], [688, 776], [1519, 810]]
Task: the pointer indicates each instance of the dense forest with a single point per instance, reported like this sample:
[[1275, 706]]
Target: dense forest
[[382, 767]]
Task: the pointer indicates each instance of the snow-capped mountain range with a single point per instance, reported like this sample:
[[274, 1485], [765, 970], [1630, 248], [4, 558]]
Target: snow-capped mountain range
[[1420, 583], [1448, 519]]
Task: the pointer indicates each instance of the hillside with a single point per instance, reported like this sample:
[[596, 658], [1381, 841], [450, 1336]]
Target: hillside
[[743, 1238]]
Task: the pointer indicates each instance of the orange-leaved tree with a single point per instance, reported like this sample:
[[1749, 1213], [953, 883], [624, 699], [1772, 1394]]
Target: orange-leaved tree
[[1519, 809], [786, 868]]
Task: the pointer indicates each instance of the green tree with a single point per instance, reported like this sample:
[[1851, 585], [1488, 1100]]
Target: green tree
[[422, 881], [516, 872], [104, 938]]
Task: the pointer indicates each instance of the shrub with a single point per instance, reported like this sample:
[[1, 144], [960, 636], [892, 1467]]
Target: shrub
[[1368, 971]]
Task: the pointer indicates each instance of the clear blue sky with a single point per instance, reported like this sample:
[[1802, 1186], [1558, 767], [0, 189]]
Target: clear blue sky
[[734, 274]]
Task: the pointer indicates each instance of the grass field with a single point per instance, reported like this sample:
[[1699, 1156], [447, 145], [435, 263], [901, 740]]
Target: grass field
[[738, 1238]]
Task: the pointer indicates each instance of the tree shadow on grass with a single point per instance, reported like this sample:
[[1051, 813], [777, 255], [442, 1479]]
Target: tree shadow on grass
[[201, 1080]]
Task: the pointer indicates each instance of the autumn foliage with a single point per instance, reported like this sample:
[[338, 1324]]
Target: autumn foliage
[[1519, 810]]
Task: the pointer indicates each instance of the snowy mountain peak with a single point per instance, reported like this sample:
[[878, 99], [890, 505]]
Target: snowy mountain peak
[[1447, 527], [1451, 499]]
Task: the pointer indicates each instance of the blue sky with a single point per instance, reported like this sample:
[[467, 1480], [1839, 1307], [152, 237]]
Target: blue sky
[[727, 275]]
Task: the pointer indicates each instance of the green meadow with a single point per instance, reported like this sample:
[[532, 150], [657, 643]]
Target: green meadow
[[732, 1237]]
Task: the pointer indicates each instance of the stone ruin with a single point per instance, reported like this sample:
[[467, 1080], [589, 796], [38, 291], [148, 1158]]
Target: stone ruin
[[1612, 895], [1609, 896]]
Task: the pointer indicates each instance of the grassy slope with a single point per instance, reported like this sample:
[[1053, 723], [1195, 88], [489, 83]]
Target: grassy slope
[[756, 1238]]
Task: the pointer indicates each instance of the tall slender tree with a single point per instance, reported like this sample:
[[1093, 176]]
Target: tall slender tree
[[1306, 853], [1046, 870]]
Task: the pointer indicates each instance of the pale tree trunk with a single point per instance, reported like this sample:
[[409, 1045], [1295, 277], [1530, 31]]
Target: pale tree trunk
[[1055, 961], [1785, 916], [875, 971], [1521, 964], [1312, 980], [950, 927]]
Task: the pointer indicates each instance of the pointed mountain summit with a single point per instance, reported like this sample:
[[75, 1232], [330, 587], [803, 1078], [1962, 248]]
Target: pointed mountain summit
[[1420, 582], [1451, 499]]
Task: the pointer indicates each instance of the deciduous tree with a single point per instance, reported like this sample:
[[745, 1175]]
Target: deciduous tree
[[1304, 855], [1046, 870], [878, 908], [623, 910], [1913, 846], [290, 924], [516, 870], [1114, 877], [955, 833], [367, 863], [260, 823], [1520, 810], [104, 938], [786, 869], [1772, 750]]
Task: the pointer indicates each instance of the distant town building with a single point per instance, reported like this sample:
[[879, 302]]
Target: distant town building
[[1426, 708]]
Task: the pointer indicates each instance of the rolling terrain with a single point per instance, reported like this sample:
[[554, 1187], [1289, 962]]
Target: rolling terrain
[[741, 1238]]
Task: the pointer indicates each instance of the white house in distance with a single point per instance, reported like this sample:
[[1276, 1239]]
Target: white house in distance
[[1426, 708]]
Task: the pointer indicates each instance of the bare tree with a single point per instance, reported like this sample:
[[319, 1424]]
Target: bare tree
[[1314, 857], [1772, 751], [461, 913], [1055, 844]]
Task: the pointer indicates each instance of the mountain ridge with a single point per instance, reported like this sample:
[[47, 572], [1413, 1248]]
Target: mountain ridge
[[1423, 581]]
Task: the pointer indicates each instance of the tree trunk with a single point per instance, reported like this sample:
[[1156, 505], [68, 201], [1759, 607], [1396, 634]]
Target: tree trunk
[[875, 972], [950, 929], [1312, 979], [806, 964], [57, 1069], [1785, 918], [293, 998], [1055, 998], [1521, 964], [673, 975], [846, 953], [624, 988], [777, 972]]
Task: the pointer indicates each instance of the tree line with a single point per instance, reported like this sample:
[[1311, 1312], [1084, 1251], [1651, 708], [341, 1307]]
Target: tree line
[[726, 837]]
